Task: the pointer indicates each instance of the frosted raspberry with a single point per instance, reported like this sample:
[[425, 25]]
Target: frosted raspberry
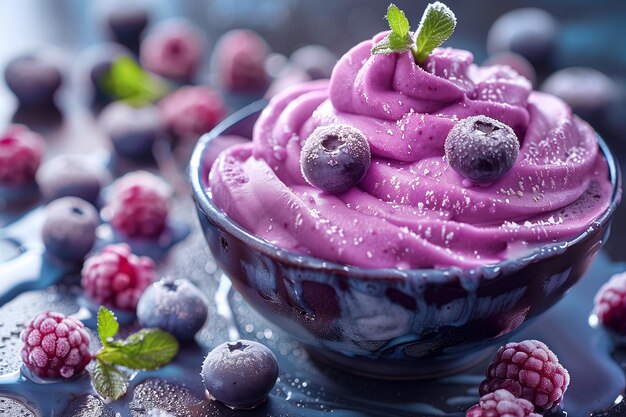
[[138, 205], [115, 277], [529, 370], [55, 346], [20, 155], [173, 49], [502, 403], [192, 111], [611, 304]]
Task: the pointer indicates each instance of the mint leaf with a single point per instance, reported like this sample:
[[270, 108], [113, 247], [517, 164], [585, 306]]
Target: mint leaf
[[127, 81], [398, 22], [107, 325], [147, 349], [108, 381], [399, 40], [437, 24]]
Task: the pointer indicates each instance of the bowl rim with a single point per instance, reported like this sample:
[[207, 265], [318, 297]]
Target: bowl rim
[[440, 275]]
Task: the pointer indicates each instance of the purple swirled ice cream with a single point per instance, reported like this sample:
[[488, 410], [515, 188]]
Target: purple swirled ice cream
[[411, 209]]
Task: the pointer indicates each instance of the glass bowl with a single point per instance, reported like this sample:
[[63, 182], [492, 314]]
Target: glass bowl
[[389, 323]]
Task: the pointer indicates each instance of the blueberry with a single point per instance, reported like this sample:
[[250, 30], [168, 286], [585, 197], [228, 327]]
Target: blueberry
[[589, 92], [176, 306], [174, 49], [530, 32], [70, 175], [240, 374], [132, 130], [481, 149], [335, 158], [34, 80], [239, 59], [69, 230], [126, 25], [318, 61]]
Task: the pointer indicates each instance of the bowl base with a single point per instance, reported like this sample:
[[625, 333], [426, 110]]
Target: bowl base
[[399, 370]]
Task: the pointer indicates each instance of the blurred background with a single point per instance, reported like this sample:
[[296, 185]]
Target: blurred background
[[574, 49]]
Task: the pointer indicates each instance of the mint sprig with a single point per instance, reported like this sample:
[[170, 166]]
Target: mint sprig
[[399, 40], [437, 24], [126, 80], [108, 381], [147, 349]]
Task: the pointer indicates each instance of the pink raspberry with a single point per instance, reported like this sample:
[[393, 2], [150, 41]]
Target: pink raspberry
[[610, 304], [20, 155], [174, 49], [138, 205], [115, 277], [502, 403], [529, 370], [239, 59], [55, 345], [192, 111]]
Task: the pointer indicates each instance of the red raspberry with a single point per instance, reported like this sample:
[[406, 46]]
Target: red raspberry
[[610, 304], [239, 59], [173, 49], [502, 403], [55, 345], [138, 205], [529, 370], [20, 155], [115, 277], [192, 111]]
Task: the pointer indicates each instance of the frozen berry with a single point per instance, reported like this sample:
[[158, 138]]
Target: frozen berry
[[589, 92], [289, 76], [95, 63], [191, 111], [335, 157], [515, 61], [240, 374], [528, 370], [34, 79], [176, 306], [69, 230], [138, 205], [115, 277], [502, 403], [132, 130], [21, 151], [239, 59], [126, 25], [610, 304], [55, 346], [70, 175], [530, 32], [481, 149], [173, 49], [318, 61]]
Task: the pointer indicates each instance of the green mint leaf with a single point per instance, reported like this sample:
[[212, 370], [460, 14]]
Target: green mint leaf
[[398, 22], [107, 325], [382, 47], [399, 40], [108, 381], [437, 24], [147, 349], [127, 81]]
